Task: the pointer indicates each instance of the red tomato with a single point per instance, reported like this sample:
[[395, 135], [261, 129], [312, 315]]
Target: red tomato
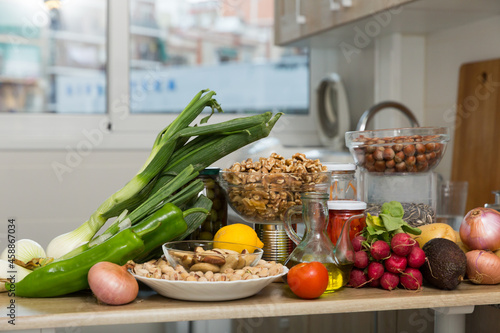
[[308, 280]]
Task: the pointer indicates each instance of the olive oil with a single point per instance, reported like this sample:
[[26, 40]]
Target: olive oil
[[338, 276]]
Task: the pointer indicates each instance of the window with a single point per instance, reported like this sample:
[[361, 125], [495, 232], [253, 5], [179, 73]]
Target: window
[[226, 46], [53, 56], [72, 75]]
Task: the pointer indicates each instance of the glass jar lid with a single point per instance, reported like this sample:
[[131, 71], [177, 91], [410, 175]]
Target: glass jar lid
[[340, 166], [210, 171], [346, 205]]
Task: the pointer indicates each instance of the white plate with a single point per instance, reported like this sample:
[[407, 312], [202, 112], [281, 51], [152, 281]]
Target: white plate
[[208, 291]]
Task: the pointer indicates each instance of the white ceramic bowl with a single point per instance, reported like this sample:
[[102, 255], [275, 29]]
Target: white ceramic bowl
[[209, 291]]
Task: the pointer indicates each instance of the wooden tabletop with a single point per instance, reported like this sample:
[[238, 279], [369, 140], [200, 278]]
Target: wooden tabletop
[[275, 300]]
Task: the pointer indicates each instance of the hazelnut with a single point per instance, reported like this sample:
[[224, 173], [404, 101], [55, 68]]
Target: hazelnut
[[430, 156], [390, 164], [420, 148], [378, 155], [397, 147], [421, 158], [409, 150], [401, 167], [430, 146], [370, 149], [369, 160], [380, 166], [388, 154], [399, 157], [422, 166], [410, 161]]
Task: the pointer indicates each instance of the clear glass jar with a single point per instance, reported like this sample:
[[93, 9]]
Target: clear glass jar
[[343, 184], [339, 211], [218, 215]]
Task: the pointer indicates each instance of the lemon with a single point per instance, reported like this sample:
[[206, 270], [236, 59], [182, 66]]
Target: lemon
[[237, 233]]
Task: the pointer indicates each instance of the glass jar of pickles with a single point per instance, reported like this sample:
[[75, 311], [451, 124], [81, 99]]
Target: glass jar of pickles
[[344, 184], [218, 215]]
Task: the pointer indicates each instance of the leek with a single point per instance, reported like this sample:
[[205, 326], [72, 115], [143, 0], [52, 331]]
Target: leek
[[163, 148], [177, 148]]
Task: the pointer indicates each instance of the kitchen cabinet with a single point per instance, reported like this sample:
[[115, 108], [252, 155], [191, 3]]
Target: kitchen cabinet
[[303, 18], [81, 309], [297, 21]]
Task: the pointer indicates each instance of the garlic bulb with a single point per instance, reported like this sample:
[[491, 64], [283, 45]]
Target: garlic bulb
[[9, 270], [24, 250]]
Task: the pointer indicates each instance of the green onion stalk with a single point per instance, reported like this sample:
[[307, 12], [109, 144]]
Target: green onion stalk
[[178, 150]]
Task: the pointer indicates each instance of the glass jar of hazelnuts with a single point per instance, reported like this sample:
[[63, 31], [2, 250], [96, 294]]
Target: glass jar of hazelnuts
[[398, 150], [396, 165]]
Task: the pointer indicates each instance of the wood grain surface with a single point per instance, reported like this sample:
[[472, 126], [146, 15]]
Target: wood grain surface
[[81, 309], [476, 148]]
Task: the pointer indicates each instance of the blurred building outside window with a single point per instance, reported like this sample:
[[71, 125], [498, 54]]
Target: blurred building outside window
[[64, 66]]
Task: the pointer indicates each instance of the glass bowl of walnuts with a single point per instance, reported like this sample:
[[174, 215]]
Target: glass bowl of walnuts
[[260, 192], [398, 150]]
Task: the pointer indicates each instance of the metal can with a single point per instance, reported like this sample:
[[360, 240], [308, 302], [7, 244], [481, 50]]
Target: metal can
[[218, 215]]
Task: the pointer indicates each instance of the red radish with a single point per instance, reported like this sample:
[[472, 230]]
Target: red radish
[[411, 279], [389, 281], [416, 258], [380, 250], [357, 279], [402, 244], [375, 270], [357, 242], [374, 283], [360, 259], [395, 263]]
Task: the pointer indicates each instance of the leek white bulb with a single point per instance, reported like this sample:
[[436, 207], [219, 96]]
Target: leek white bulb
[[25, 250], [6, 269], [69, 241]]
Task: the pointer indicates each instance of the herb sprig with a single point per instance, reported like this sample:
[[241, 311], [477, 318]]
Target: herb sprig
[[388, 223]]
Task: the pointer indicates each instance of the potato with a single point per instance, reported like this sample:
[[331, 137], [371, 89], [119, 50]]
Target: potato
[[435, 230]]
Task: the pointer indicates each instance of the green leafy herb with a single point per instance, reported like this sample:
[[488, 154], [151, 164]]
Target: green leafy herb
[[388, 223]]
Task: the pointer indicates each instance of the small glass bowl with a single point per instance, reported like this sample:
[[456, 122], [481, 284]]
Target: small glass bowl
[[398, 150], [263, 198], [201, 255]]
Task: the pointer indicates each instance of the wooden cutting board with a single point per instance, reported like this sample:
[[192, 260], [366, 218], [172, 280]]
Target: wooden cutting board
[[476, 149]]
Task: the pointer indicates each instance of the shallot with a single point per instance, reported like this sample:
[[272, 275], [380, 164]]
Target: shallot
[[483, 267], [112, 284], [480, 229]]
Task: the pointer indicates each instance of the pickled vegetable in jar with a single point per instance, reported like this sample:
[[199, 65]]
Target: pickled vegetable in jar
[[343, 184], [339, 211], [218, 214]]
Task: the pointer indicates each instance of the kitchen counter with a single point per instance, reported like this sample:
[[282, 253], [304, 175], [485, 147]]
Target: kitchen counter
[[81, 309]]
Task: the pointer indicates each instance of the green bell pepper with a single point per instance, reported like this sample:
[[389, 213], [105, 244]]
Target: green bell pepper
[[172, 222], [70, 275]]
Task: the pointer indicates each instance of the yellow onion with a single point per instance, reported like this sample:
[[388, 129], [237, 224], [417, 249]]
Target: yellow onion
[[480, 229]]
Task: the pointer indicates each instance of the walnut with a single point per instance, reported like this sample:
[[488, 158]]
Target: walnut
[[273, 184]]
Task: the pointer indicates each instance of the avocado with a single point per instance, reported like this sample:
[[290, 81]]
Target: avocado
[[446, 263]]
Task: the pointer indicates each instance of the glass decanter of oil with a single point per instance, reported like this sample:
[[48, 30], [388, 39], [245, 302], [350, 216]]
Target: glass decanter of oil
[[315, 245]]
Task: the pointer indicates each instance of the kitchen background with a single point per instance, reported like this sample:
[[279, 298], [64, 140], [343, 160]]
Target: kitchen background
[[64, 77]]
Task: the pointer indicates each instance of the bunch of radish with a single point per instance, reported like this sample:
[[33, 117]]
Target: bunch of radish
[[385, 265]]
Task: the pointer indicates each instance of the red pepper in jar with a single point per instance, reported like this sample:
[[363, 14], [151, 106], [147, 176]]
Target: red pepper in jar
[[339, 211]]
